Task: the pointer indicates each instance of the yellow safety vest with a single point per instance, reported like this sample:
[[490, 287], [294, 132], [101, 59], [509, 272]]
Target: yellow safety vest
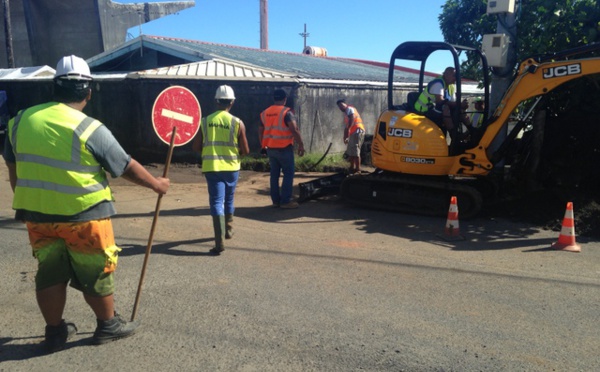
[[220, 150], [451, 90], [425, 98], [477, 119], [56, 173]]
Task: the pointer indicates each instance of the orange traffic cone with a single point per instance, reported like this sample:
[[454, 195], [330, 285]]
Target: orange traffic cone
[[566, 239], [452, 230]]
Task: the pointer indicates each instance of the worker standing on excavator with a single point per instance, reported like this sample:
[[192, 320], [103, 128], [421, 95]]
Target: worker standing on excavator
[[476, 118], [354, 134]]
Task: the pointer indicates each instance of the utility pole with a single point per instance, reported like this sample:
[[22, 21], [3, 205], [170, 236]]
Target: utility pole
[[500, 49], [8, 34], [502, 76], [304, 35], [264, 24]]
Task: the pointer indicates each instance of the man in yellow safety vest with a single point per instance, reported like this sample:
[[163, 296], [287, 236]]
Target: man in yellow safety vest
[[221, 141], [438, 100], [57, 157]]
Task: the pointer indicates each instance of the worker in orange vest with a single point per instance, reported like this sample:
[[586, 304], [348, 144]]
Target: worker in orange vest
[[277, 132], [354, 134]]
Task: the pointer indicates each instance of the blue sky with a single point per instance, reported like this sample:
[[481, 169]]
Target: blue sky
[[363, 29]]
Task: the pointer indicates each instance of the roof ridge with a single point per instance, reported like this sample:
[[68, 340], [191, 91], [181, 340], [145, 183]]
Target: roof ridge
[[235, 46]]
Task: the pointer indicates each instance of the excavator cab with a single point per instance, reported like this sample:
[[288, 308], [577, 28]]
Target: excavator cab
[[418, 170], [405, 140]]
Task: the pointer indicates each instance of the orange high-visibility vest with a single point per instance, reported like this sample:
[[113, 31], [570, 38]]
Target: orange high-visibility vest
[[276, 135], [356, 124]]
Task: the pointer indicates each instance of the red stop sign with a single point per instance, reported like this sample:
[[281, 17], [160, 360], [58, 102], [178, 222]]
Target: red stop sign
[[178, 107]]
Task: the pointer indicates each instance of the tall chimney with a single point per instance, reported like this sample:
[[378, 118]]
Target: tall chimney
[[264, 25]]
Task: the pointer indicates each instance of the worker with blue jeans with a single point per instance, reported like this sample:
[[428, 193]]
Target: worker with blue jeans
[[281, 160], [221, 141], [277, 132], [221, 189]]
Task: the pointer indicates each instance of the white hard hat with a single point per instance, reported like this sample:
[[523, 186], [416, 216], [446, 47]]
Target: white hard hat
[[73, 68], [224, 92]]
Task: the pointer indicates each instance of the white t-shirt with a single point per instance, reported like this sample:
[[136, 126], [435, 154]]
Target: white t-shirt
[[437, 88], [350, 111]]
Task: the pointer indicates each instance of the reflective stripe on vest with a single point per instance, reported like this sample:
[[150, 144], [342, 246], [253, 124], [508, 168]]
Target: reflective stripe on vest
[[56, 175], [477, 119], [72, 165], [356, 124], [426, 98], [451, 91], [276, 135], [220, 142]]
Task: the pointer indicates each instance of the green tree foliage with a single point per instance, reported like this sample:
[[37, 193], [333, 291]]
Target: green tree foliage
[[571, 134], [543, 26]]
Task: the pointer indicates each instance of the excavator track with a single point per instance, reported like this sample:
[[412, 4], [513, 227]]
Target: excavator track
[[410, 194]]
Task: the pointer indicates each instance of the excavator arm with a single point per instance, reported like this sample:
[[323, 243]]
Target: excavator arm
[[535, 79]]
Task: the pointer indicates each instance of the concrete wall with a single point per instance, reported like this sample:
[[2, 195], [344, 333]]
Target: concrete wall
[[125, 107], [20, 38], [45, 30], [321, 121]]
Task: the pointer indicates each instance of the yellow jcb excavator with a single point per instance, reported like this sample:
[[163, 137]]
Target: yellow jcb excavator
[[417, 171]]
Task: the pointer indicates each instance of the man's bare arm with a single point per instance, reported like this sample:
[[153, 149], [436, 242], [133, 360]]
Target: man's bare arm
[[242, 140], [137, 174], [296, 133], [12, 175]]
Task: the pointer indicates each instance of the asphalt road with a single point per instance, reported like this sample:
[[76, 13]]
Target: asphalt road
[[326, 287]]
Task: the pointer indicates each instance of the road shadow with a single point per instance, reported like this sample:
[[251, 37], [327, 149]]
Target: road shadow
[[169, 248], [18, 351], [477, 234]]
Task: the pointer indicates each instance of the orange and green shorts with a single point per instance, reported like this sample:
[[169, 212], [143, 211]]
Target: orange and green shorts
[[82, 253]]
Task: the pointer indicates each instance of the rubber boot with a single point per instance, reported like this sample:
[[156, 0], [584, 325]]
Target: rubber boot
[[228, 226], [219, 227]]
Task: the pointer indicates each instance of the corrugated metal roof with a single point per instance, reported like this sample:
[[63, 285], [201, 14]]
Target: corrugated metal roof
[[294, 64], [211, 60], [302, 65], [26, 72], [213, 68]]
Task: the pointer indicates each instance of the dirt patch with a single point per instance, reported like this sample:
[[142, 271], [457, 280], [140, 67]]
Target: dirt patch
[[543, 209], [547, 209]]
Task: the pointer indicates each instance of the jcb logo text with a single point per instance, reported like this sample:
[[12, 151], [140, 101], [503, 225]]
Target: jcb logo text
[[561, 71], [399, 132]]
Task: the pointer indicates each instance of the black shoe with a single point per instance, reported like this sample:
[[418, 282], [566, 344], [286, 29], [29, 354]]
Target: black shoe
[[216, 251], [56, 336], [113, 329]]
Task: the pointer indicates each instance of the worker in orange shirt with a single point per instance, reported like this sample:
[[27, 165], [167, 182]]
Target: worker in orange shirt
[[354, 134]]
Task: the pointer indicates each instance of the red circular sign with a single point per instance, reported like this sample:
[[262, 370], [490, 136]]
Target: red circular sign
[[178, 107]]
